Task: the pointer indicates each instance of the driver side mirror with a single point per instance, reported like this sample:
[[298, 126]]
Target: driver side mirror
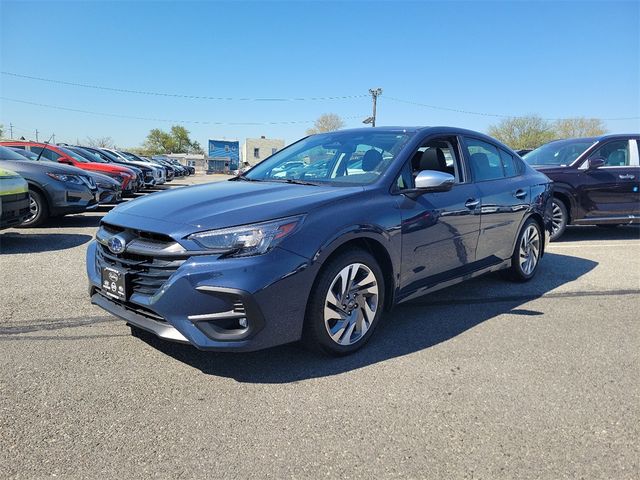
[[65, 161], [431, 181], [596, 162]]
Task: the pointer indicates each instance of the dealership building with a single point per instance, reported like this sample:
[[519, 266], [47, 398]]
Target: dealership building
[[254, 150], [225, 156]]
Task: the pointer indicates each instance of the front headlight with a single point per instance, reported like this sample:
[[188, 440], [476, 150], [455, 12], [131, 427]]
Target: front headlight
[[247, 240], [61, 177]]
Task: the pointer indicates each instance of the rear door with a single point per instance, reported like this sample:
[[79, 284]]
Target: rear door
[[611, 191], [504, 195]]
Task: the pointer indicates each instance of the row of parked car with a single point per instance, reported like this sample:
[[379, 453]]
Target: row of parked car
[[42, 180]]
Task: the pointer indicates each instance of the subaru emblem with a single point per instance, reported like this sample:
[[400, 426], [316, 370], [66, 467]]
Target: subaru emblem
[[117, 244]]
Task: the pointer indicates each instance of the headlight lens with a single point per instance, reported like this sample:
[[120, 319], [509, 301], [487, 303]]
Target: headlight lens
[[247, 240], [66, 178]]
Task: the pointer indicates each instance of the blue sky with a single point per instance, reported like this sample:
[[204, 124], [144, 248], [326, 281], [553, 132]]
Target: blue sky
[[556, 59]]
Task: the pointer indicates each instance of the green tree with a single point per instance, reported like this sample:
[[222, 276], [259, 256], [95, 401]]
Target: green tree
[[177, 140], [579, 127], [523, 132], [327, 122]]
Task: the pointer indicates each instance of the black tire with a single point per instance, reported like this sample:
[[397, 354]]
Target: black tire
[[560, 213], [315, 334], [516, 272], [41, 208]]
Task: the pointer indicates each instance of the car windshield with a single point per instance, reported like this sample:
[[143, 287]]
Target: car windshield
[[90, 156], [337, 158], [8, 154], [106, 155], [130, 156], [561, 153], [76, 156]]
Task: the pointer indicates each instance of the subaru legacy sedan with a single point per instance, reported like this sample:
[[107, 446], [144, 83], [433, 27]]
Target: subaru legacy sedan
[[371, 218]]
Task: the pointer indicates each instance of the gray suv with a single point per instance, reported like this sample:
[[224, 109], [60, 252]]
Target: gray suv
[[54, 189]]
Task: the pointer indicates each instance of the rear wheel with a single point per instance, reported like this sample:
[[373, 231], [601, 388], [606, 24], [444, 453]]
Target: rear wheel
[[345, 305], [559, 219], [526, 255], [39, 210]]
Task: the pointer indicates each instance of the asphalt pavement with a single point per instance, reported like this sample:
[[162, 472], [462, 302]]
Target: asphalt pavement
[[487, 379]]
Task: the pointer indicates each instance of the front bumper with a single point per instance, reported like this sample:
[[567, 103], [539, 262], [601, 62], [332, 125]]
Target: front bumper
[[106, 195], [205, 300], [69, 198], [14, 208]]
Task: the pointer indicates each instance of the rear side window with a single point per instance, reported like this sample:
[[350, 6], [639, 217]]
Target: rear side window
[[484, 160], [615, 154], [511, 168]]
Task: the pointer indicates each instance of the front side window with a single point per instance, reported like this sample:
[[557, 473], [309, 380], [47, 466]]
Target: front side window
[[484, 160], [615, 154], [46, 153], [439, 154]]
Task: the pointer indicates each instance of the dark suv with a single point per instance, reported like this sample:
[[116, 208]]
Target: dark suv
[[596, 180], [372, 217]]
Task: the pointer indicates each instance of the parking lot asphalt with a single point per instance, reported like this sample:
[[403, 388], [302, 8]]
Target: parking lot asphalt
[[487, 379]]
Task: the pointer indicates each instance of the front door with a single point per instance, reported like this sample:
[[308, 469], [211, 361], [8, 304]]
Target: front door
[[611, 191], [439, 230]]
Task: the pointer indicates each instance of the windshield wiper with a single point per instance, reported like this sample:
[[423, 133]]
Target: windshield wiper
[[244, 179], [292, 180]]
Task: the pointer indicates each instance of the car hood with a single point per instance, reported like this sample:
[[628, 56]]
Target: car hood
[[28, 168], [105, 167], [223, 204], [550, 168], [104, 179], [144, 164]]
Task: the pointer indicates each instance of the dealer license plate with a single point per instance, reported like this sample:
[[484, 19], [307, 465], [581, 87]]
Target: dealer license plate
[[114, 282]]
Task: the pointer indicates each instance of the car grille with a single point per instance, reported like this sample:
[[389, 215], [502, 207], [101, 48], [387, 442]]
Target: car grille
[[147, 270]]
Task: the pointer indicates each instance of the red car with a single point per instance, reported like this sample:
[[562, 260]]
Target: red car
[[125, 176]]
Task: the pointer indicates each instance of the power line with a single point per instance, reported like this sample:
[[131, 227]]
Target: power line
[[200, 122], [484, 114], [178, 95]]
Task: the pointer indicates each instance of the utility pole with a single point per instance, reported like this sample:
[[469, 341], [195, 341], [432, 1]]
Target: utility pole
[[36, 134], [53, 136], [11, 130], [375, 93]]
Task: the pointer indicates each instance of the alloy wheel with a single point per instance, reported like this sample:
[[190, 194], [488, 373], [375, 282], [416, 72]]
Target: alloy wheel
[[557, 218], [351, 304], [529, 249], [34, 209]]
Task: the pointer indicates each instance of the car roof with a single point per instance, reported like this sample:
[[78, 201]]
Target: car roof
[[435, 130]]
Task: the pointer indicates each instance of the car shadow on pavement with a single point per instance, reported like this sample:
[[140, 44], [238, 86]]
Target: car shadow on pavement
[[18, 242], [594, 233], [77, 221], [409, 328]]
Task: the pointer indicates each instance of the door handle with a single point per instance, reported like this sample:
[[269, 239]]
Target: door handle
[[520, 193], [627, 176], [472, 203]]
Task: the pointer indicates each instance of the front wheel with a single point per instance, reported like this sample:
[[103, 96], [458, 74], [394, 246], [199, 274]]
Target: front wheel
[[526, 255], [345, 305], [559, 219], [38, 210]]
